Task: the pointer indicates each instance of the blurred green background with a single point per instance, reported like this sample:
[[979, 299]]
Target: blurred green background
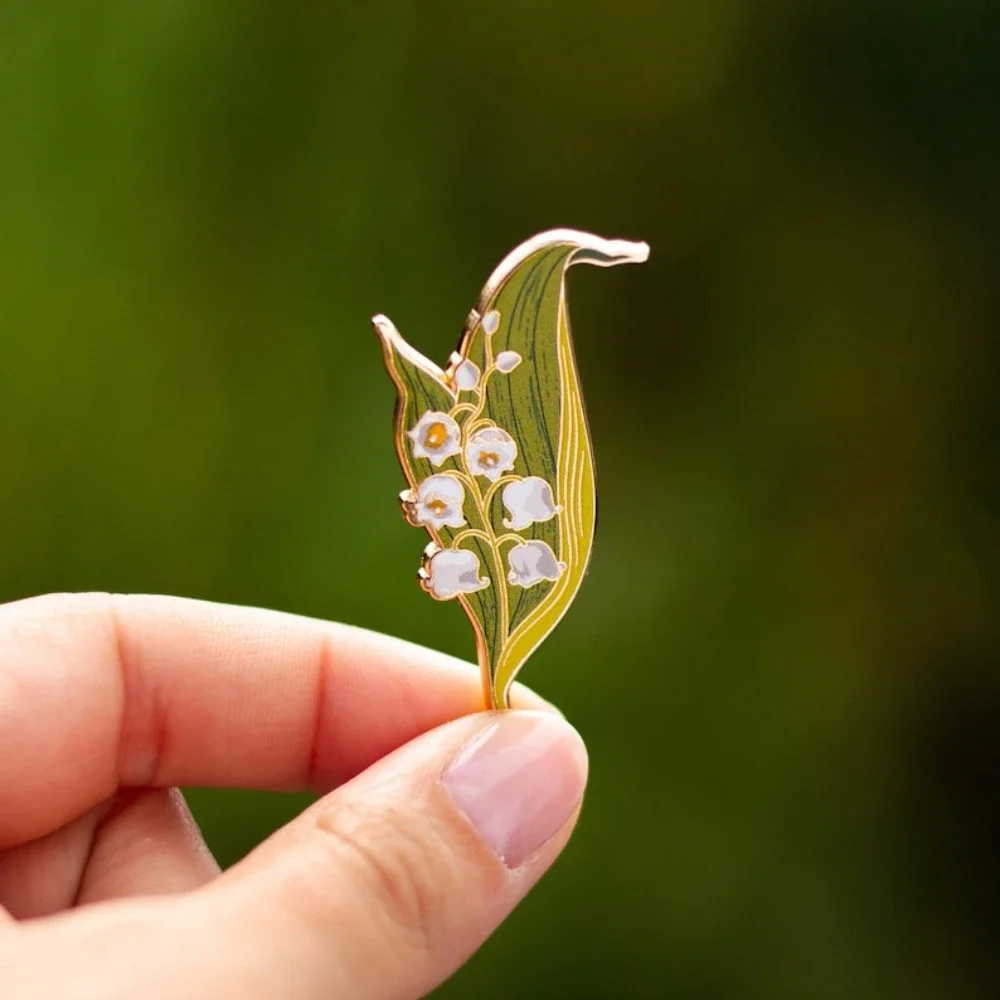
[[785, 660]]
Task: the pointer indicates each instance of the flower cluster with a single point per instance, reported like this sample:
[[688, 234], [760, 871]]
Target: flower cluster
[[481, 450]]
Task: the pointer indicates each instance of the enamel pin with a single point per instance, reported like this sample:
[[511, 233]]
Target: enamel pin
[[497, 454]]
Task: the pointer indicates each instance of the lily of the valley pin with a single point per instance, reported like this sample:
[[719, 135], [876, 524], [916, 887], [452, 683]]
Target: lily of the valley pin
[[496, 451]]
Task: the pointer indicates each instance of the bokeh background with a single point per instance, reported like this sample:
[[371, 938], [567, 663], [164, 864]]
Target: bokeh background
[[786, 659]]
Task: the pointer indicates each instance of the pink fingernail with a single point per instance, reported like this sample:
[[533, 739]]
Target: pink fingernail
[[520, 781]]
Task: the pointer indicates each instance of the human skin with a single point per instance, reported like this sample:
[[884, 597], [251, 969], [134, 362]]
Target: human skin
[[434, 820]]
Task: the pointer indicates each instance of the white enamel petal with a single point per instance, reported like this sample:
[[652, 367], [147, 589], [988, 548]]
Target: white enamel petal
[[507, 361], [491, 452], [448, 488], [435, 436], [467, 375], [491, 322], [533, 562], [527, 501], [439, 501], [454, 571]]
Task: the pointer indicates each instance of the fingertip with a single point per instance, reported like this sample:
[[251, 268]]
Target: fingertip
[[520, 782]]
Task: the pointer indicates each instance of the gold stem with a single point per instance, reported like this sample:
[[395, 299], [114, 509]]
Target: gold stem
[[482, 510], [488, 350], [491, 540], [481, 391], [481, 504], [469, 533]]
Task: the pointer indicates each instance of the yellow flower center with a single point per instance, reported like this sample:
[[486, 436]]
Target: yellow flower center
[[489, 459], [436, 435], [436, 507]]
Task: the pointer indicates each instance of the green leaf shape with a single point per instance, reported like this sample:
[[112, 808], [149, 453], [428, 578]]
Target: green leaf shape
[[539, 403]]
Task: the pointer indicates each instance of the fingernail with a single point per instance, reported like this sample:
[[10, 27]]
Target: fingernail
[[519, 781]]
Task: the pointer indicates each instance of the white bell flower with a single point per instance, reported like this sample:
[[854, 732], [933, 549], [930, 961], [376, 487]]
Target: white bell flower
[[491, 322], [466, 375], [437, 503], [490, 453], [533, 562], [527, 501], [507, 361], [450, 572], [436, 436]]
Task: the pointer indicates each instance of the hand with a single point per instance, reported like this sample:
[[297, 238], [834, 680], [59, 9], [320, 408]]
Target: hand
[[440, 822]]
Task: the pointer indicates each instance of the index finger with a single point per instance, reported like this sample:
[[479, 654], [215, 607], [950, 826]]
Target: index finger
[[100, 691]]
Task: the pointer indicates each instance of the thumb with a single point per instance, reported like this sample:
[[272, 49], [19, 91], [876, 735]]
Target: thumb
[[385, 887]]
